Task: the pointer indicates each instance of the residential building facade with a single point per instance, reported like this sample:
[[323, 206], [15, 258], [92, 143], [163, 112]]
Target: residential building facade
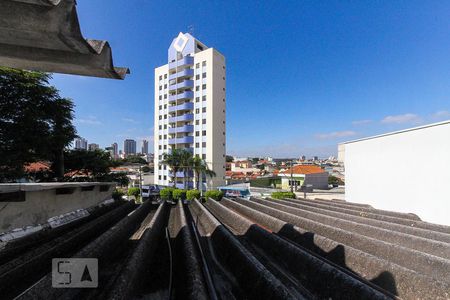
[[129, 147], [304, 175], [115, 150], [92, 147], [144, 148], [190, 109], [81, 144]]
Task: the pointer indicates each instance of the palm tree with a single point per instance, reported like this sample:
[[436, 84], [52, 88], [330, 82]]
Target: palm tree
[[186, 165], [173, 160], [200, 167]]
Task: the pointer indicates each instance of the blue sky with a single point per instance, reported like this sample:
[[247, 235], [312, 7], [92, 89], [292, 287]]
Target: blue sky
[[301, 75]]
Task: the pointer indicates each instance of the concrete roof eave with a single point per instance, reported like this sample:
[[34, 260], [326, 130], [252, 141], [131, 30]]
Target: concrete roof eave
[[45, 35]]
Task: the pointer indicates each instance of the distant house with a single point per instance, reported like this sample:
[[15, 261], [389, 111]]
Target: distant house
[[304, 175]]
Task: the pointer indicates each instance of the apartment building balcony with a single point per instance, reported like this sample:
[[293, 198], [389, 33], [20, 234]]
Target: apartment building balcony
[[185, 128], [182, 74], [180, 174], [180, 185], [185, 117], [185, 149], [187, 84], [182, 140], [184, 106], [181, 63], [183, 96]]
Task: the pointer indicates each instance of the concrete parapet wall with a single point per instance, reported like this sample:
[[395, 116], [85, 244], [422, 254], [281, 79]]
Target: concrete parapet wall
[[31, 204]]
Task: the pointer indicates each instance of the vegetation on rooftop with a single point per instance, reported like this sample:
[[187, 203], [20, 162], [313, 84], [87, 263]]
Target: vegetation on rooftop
[[282, 195]]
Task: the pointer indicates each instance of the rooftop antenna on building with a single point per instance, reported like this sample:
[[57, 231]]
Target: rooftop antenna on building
[[191, 29]]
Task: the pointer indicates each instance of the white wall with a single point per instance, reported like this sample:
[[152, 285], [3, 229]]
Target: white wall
[[407, 171]]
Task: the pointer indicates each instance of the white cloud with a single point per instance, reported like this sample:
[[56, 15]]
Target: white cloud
[[401, 119], [90, 120], [442, 114], [361, 122], [335, 134], [130, 120]]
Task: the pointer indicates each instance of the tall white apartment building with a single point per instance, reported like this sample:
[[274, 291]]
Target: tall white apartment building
[[190, 109]]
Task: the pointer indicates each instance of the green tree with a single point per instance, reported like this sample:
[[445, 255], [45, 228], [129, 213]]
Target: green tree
[[35, 122], [229, 158], [200, 167], [173, 160], [134, 159], [96, 165]]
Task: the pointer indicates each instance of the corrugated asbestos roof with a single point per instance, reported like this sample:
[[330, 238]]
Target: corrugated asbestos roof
[[45, 35]]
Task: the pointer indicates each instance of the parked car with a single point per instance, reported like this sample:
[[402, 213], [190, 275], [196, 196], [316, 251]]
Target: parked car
[[150, 190]]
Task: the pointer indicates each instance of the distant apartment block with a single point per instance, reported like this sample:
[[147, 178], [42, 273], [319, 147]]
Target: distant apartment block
[[115, 150], [190, 108], [144, 148], [92, 147], [129, 147], [81, 144], [405, 171]]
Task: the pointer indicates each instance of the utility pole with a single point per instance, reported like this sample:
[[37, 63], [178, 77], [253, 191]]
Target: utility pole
[[292, 177]]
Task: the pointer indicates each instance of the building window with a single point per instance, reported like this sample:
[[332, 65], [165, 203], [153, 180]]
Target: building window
[[197, 133], [160, 107], [160, 87], [224, 133], [197, 122], [165, 126], [165, 106], [203, 98], [165, 76], [204, 144], [160, 117], [197, 77], [165, 86], [224, 89], [160, 77], [197, 88], [204, 121], [165, 117], [159, 177], [204, 132], [165, 167], [204, 63], [165, 177], [165, 96], [197, 66], [204, 109], [204, 156], [160, 97], [160, 127], [165, 136], [197, 99], [165, 147], [197, 110], [223, 78], [160, 136], [160, 147], [223, 67], [197, 145], [204, 75], [204, 87]]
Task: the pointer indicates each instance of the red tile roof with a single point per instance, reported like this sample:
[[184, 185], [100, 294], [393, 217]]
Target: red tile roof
[[37, 167], [304, 169]]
